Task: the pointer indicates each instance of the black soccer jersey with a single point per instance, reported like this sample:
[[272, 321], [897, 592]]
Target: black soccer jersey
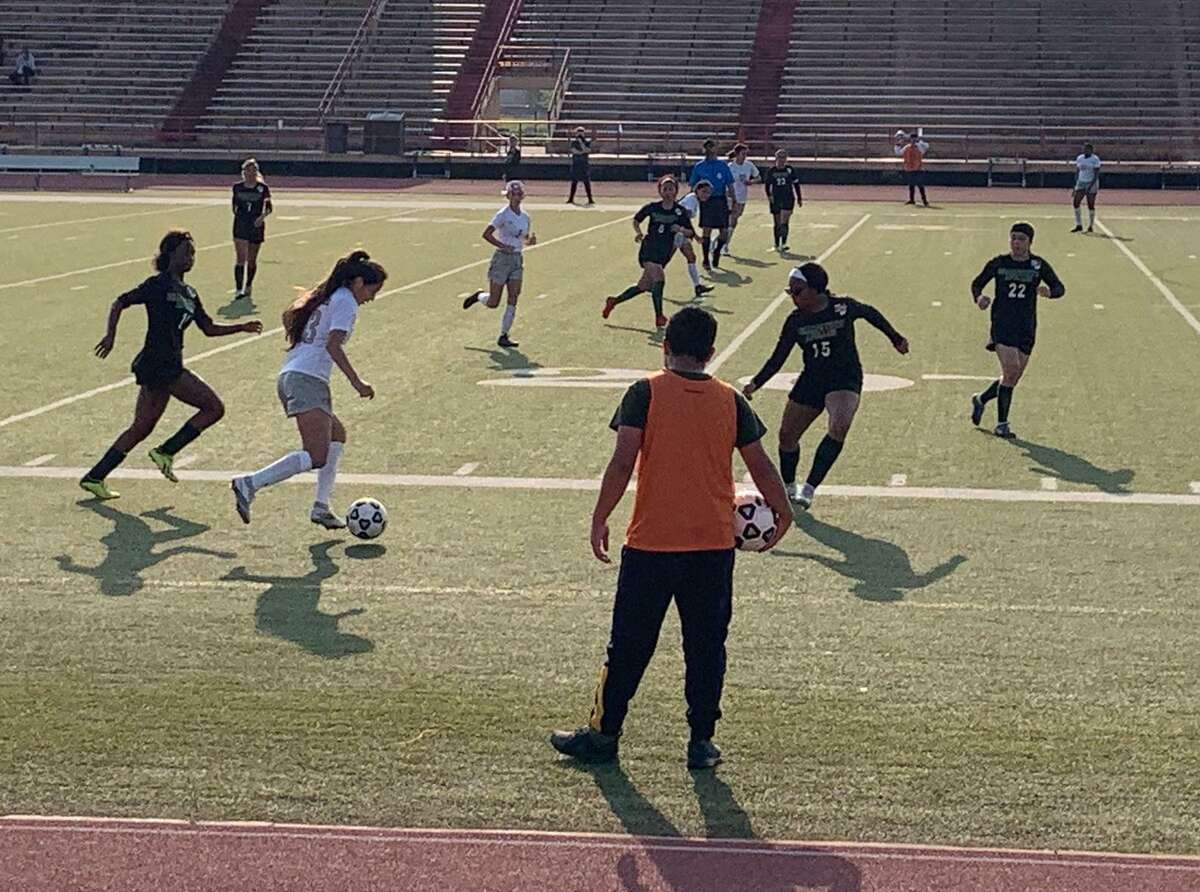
[[248, 201], [827, 339], [780, 183], [1017, 281], [171, 306], [660, 237]]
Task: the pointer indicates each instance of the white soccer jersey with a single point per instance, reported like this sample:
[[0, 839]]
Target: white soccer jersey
[[690, 203], [1089, 168], [310, 356], [511, 227], [742, 175]]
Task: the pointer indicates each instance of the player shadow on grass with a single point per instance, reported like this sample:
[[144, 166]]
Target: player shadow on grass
[[237, 308], [290, 609], [131, 545], [1112, 238], [883, 569], [1072, 468], [654, 337], [702, 303], [750, 262], [727, 277], [704, 870], [508, 359]]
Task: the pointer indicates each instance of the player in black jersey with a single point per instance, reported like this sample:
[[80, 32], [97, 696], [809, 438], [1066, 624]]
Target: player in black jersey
[[667, 219], [781, 181], [1020, 278], [251, 207], [171, 305], [823, 326]]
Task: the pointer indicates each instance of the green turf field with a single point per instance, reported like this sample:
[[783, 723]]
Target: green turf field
[[916, 663]]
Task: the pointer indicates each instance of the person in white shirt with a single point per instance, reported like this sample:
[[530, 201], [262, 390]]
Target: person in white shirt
[[1087, 182], [510, 232], [317, 326], [744, 173], [683, 244], [25, 68]]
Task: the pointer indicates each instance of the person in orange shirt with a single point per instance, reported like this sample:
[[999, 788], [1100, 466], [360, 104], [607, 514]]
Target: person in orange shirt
[[679, 427], [912, 154]]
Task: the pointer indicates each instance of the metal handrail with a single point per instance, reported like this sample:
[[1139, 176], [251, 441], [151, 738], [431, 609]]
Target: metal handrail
[[489, 70], [336, 83], [561, 84]]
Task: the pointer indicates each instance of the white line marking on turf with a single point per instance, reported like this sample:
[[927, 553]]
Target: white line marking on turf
[[937, 303], [591, 484], [898, 480], [766, 314], [1097, 306], [1050, 484], [541, 297], [241, 342], [1155, 280], [182, 207], [1195, 486], [79, 287], [468, 468], [957, 378], [40, 460]]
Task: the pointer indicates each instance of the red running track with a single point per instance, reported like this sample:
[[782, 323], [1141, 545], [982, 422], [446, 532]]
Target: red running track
[[59, 854]]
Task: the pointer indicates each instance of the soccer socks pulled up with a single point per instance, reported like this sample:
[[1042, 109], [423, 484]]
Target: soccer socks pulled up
[[1005, 401], [328, 472], [784, 228], [778, 235], [251, 269], [788, 462], [506, 320], [656, 295], [239, 272], [721, 243], [694, 274], [106, 465], [180, 438], [628, 294], [289, 466], [1078, 216], [991, 393], [706, 246], [1091, 217], [827, 453]]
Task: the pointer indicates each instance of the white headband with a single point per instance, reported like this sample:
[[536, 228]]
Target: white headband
[[797, 274], [513, 184]]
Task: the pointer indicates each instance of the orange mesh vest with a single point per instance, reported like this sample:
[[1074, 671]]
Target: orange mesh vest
[[684, 499], [912, 157]]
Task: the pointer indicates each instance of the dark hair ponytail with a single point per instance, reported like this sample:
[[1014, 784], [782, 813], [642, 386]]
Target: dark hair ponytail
[[355, 265], [172, 240]]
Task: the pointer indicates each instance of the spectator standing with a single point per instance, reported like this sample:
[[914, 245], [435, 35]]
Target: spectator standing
[[581, 148], [912, 155], [512, 158]]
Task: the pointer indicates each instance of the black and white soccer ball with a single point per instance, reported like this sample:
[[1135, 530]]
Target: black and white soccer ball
[[367, 518], [754, 521]]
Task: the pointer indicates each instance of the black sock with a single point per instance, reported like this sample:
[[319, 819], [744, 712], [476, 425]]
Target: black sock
[[180, 438], [706, 245], [238, 272], [105, 466], [628, 294], [783, 232], [587, 184], [991, 393], [656, 295], [1006, 395], [827, 453], [788, 462], [778, 231], [251, 269], [717, 251], [924, 200]]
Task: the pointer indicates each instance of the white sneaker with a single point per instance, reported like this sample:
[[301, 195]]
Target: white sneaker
[[322, 516], [246, 291], [802, 496], [243, 495]]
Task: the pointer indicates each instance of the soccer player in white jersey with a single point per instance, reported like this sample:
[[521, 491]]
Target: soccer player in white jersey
[[317, 326], [1087, 182], [744, 173], [683, 244], [510, 233]]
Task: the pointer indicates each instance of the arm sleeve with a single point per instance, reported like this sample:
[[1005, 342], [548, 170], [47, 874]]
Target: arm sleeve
[[642, 214], [775, 362], [496, 218], [985, 276], [1050, 277], [342, 314], [754, 174], [233, 199], [869, 314], [686, 222], [750, 428], [898, 150], [634, 408], [139, 295]]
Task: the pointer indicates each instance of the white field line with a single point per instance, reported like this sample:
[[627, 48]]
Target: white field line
[[898, 480], [592, 484], [1050, 484], [1195, 486], [766, 314], [957, 377], [591, 841], [179, 207], [1154, 280], [40, 460], [214, 247], [241, 342], [468, 468]]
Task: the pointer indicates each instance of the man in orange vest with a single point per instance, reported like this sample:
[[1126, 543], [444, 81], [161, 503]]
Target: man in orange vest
[[679, 427], [912, 153]]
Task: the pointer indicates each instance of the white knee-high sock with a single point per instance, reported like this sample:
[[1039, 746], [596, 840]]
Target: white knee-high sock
[[328, 472], [694, 274], [289, 466], [1078, 216], [506, 321]]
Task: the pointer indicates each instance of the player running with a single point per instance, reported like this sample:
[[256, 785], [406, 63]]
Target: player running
[[1087, 183], [683, 244], [832, 380], [510, 233], [744, 173], [667, 219], [171, 306], [251, 207], [317, 326], [714, 213], [782, 184], [1020, 278]]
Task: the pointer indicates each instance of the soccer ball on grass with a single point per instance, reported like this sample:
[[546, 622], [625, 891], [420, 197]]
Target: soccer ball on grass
[[367, 518]]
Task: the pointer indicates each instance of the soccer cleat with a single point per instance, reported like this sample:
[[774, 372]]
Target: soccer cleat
[[925, 203], [910, 201], [1077, 228], [702, 290], [610, 304], [724, 250], [506, 342], [163, 462], [239, 294], [243, 495], [246, 291], [585, 745], [99, 489], [1004, 432], [977, 406], [471, 299], [801, 495], [323, 517], [1089, 229], [702, 754], [707, 267], [783, 249], [661, 321]]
